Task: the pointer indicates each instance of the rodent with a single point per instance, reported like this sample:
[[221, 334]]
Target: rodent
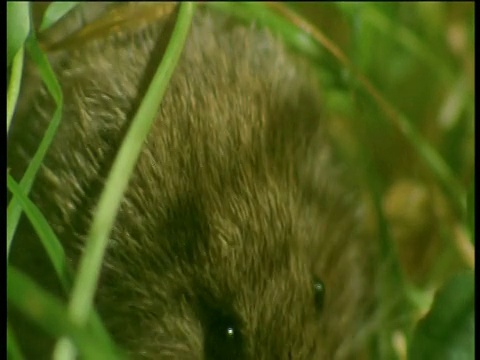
[[237, 210]]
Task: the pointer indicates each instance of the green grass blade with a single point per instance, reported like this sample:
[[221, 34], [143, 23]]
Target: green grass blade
[[53, 248], [14, 84], [55, 11], [18, 27], [406, 38], [436, 164], [45, 233], [447, 331], [90, 264], [48, 312], [13, 350], [14, 209]]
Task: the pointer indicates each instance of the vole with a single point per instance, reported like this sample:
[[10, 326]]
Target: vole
[[238, 237]]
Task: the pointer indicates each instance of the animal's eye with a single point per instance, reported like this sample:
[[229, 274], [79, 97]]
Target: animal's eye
[[319, 293], [222, 330], [223, 339], [230, 333]]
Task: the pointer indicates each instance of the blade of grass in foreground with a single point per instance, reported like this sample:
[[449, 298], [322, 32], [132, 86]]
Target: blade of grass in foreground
[[13, 350], [18, 27], [89, 268], [55, 11], [14, 209], [53, 248], [448, 329], [45, 233], [14, 84], [47, 312]]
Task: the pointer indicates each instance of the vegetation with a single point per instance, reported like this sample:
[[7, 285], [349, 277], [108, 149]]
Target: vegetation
[[398, 96]]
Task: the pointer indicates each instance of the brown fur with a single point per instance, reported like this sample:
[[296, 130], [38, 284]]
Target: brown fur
[[236, 202]]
